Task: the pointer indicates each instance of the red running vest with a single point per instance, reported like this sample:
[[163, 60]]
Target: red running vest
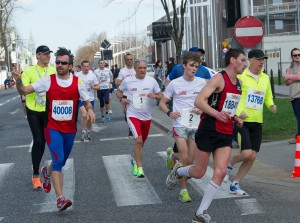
[[62, 106], [216, 101]]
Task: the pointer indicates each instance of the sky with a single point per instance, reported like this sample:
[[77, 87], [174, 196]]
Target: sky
[[69, 23]]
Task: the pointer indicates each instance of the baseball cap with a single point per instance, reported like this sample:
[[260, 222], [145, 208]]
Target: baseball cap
[[42, 50], [257, 54], [197, 49]]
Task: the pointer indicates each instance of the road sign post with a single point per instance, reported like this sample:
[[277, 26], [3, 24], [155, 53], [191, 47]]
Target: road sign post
[[249, 31]]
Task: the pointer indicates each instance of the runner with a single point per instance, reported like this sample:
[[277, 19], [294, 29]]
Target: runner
[[35, 109], [125, 72], [105, 77], [256, 91], [63, 91], [134, 93], [91, 83], [218, 100], [177, 72], [186, 117]]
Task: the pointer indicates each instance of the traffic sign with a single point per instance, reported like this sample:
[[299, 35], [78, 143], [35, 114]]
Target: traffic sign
[[249, 31]]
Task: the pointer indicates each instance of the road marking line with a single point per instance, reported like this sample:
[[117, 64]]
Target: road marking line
[[49, 201], [121, 138], [1, 218], [4, 170], [4, 103], [128, 189], [14, 112], [200, 184], [249, 206], [21, 146], [96, 128], [30, 146]]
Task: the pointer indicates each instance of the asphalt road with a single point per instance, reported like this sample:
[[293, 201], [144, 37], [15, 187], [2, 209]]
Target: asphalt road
[[97, 178]]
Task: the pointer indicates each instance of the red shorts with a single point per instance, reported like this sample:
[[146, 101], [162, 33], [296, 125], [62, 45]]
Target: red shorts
[[139, 127]]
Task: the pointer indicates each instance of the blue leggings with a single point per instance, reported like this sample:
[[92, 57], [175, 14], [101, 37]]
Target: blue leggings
[[60, 146]]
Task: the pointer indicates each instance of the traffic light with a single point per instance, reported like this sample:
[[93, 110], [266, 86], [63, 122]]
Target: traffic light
[[162, 31], [233, 9], [107, 54]]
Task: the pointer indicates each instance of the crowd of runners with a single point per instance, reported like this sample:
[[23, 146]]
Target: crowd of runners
[[204, 108]]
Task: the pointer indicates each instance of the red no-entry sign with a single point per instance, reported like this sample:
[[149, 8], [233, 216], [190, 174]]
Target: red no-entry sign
[[248, 31]]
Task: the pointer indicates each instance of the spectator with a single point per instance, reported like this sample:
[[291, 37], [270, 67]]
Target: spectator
[[292, 79]]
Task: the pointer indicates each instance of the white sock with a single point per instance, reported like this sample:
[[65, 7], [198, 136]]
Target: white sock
[[208, 197], [83, 131], [183, 171], [182, 190], [171, 156]]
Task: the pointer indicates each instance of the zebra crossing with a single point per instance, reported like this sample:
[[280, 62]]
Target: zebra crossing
[[127, 190]]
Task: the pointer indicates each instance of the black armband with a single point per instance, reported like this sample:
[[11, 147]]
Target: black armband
[[19, 81], [168, 112]]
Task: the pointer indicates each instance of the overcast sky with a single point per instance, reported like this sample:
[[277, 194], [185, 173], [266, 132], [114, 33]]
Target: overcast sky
[[69, 23]]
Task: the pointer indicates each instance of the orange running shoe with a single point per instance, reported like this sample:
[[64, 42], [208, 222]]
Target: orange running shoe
[[36, 182]]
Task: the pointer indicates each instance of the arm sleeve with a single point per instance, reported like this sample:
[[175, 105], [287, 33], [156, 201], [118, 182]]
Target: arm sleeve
[[42, 85], [168, 93]]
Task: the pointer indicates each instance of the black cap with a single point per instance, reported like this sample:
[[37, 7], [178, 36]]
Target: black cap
[[256, 54], [197, 49], [42, 50]]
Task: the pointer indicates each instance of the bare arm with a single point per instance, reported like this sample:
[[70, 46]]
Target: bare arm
[[23, 90]]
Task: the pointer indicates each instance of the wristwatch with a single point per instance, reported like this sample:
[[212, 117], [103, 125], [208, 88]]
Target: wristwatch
[[168, 112]]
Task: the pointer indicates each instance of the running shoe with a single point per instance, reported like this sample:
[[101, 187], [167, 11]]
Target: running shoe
[[88, 135], [202, 218], [47, 180], [107, 117], [140, 173], [83, 136], [109, 111], [36, 182], [63, 203], [184, 196], [170, 162], [134, 168], [173, 177], [229, 168], [235, 187]]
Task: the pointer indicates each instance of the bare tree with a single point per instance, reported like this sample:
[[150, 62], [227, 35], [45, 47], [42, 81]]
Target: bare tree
[[178, 25], [88, 51], [6, 9]]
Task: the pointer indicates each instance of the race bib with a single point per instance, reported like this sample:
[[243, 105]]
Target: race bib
[[255, 99], [103, 86], [189, 119], [140, 101], [231, 103], [62, 110], [40, 99]]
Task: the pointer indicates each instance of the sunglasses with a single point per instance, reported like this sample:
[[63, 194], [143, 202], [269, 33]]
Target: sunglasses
[[61, 62], [296, 55]]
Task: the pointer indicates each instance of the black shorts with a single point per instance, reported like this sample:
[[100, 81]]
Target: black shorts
[[250, 135], [209, 141]]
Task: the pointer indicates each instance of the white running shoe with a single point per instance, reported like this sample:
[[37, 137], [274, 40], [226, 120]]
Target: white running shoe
[[235, 187]]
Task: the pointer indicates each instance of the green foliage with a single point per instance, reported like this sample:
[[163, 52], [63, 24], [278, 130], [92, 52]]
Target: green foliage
[[283, 124]]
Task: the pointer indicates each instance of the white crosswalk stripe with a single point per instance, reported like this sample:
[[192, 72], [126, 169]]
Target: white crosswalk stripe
[[128, 190], [200, 184], [4, 171], [49, 202]]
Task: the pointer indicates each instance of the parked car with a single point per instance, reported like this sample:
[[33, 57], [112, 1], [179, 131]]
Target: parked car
[[150, 69]]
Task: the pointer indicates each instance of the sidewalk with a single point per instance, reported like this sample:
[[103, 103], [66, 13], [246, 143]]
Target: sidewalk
[[281, 91]]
